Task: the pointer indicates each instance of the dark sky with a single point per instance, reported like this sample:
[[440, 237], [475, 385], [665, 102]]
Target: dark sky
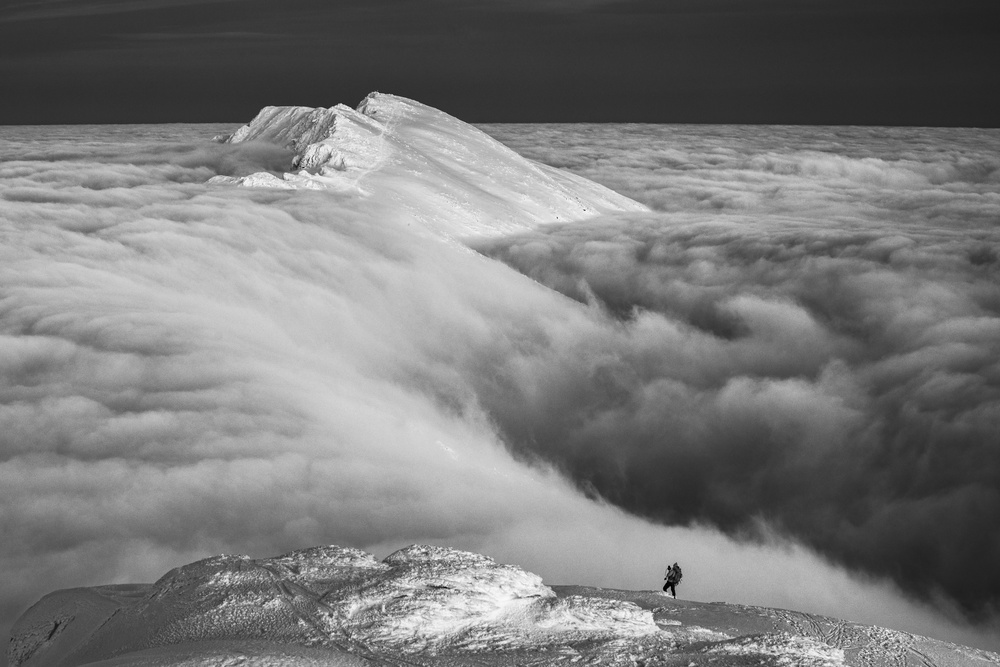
[[912, 62]]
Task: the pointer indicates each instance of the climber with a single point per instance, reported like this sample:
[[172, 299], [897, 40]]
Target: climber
[[672, 577]]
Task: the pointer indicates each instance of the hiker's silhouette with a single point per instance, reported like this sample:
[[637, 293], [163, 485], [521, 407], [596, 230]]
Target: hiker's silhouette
[[672, 577]]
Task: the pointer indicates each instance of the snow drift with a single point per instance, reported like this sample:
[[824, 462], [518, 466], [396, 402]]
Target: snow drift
[[427, 605], [421, 599], [423, 164]]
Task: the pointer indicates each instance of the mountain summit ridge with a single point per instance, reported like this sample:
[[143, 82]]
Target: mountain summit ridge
[[448, 176], [428, 605]]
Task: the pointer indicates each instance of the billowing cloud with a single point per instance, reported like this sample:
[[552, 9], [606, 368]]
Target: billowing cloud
[[820, 352], [831, 176], [843, 389], [187, 370]]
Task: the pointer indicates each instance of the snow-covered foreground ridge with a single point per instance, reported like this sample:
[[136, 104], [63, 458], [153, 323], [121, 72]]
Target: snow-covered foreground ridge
[[421, 163], [421, 599], [426, 605]]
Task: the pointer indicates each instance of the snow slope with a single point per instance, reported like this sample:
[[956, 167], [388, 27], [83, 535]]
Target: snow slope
[[420, 600], [423, 164], [426, 605]]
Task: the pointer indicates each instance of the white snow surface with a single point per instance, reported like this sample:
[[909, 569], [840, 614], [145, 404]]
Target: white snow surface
[[336, 603], [420, 163], [429, 605]]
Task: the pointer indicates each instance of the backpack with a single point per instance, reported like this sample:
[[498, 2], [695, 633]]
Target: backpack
[[674, 577]]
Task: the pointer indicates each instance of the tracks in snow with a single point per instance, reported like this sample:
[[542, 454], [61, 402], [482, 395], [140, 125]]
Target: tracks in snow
[[866, 646]]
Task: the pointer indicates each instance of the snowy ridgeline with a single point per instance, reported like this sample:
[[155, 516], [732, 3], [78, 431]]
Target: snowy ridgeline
[[318, 604], [427, 605], [422, 164]]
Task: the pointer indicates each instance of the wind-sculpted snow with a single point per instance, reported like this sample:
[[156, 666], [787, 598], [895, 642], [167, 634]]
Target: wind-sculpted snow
[[423, 164], [428, 605], [419, 600]]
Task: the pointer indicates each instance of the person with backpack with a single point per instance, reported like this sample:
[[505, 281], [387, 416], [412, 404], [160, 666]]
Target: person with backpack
[[672, 578]]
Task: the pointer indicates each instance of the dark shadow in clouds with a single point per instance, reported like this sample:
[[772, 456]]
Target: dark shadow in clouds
[[916, 63], [820, 350], [842, 386]]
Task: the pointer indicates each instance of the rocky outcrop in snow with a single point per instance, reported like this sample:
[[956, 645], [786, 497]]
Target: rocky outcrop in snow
[[422, 165]]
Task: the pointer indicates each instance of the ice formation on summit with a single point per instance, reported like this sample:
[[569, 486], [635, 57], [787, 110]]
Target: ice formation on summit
[[423, 165]]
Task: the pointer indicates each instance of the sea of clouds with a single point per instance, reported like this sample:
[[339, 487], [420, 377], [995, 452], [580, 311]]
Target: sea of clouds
[[810, 334], [785, 377]]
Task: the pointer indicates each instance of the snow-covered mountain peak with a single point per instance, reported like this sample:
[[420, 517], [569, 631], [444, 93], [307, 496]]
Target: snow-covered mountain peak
[[422, 165], [417, 554], [286, 126], [384, 105], [421, 598], [325, 561]]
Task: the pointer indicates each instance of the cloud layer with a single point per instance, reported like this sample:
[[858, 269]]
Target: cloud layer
[[845, 386], [188, 370], [822, 351]]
